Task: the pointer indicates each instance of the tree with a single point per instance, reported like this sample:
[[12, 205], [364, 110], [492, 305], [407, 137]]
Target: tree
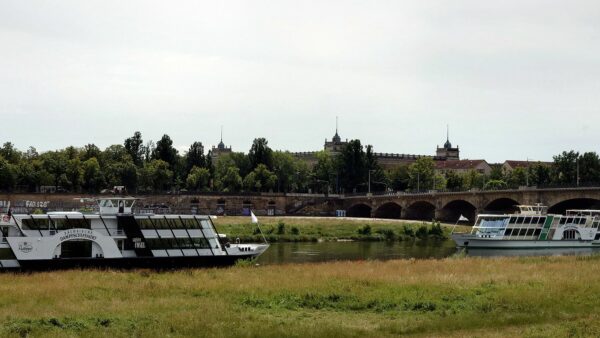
[[260, 153], [352, 166], [398, 178], [539, 174], [378, 179], [89, 151], [229, 180], [10, 154], [421, 173], [74, 174], [285, 167], [156, 176], [454, 181], [135, 148], [260, 179], [495, 185], [473, 179], [565, 167], [8, 175], [164, 151], [589, 168], [198, 179], [195, 157], [93, 178]]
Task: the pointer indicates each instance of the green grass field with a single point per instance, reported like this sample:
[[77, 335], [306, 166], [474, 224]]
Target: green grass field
[[454, 297], [316, 228]]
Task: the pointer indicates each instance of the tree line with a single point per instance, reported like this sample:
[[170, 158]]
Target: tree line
[[159, 167]]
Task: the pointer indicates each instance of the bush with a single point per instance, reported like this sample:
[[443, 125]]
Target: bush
[[388, 234], [408, 231], [280, 228], [436, 230], [422, 232], [365, 231], [295, 231]]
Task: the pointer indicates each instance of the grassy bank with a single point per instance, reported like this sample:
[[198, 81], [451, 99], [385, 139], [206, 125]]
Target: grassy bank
[[294, 229], [532, 297]]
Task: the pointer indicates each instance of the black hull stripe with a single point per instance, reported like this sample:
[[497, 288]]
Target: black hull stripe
[[156, 263]]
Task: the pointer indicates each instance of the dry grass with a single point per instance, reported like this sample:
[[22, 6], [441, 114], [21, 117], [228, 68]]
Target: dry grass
[[452, 297]]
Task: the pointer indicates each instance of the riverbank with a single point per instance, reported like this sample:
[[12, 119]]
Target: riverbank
[[532, 297], [312, 229]]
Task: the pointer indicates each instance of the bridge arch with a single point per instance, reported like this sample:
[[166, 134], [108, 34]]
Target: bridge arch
[[454, 209], [359, 210], [421, 210], [502, 205], [574, 203], [389, 210]]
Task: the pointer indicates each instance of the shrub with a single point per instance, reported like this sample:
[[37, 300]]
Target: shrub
[[422, 232], [408, 231], [280, 228], [436, 230], [295, 231], [388, 234], [365, 231]]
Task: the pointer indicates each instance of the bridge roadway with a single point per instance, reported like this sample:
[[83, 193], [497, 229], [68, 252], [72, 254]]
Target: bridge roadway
[[446, 206]]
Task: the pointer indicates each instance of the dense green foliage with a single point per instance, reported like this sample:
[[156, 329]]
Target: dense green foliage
[[159, 167]]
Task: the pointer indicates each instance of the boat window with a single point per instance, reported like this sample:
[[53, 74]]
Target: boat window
[[527, 220], [205, 224], [33, 224], [70, 223], [201, 243], [530, 232], [522, 232], [537, 232], [145, 223]]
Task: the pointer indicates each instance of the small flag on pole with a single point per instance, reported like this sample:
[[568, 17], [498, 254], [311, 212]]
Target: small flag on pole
[[463, 218], [254, 219]]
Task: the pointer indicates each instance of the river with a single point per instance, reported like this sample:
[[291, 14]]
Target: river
[[312, 252], [306, 252]]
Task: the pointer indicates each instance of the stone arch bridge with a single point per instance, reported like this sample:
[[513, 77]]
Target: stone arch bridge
[[448, 206]]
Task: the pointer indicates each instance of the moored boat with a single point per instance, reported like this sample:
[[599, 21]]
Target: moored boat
[[116, 237], [533, 228]]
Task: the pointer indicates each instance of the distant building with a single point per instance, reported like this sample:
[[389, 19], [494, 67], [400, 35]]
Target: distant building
[[463, 166], [220, 149], [448, 152], [510, 165], [386, 160]]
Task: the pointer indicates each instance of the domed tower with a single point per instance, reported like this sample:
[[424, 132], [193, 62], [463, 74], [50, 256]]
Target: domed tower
[[220, 149], [336, 144], [447, 152]]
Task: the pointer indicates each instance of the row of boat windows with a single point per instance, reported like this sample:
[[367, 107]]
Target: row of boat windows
[[532, 220], [522, 232], [172, 223], [178, 243], [55, 224]]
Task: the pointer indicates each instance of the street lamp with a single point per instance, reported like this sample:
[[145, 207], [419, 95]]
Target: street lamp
[[370, 179]]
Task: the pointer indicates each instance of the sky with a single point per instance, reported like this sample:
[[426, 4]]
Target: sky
[[513, 79]]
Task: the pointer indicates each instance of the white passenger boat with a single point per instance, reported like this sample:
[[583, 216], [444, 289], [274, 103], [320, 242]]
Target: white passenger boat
[[533, 228], [116, 237]]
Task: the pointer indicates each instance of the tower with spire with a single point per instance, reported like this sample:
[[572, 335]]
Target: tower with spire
[[336, 144], [448, 152], [220, 149]]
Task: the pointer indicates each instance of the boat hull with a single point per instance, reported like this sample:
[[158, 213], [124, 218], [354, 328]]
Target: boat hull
[[471, 241], [157, 263]]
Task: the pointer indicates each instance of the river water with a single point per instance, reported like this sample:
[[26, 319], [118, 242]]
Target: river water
[[311, 252], [306, 252]]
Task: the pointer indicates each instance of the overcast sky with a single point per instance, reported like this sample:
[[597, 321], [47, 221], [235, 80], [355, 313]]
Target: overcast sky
[[513, 79]]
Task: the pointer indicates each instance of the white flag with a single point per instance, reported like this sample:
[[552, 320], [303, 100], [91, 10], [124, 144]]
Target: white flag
[[254, 219], [463, 218]]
